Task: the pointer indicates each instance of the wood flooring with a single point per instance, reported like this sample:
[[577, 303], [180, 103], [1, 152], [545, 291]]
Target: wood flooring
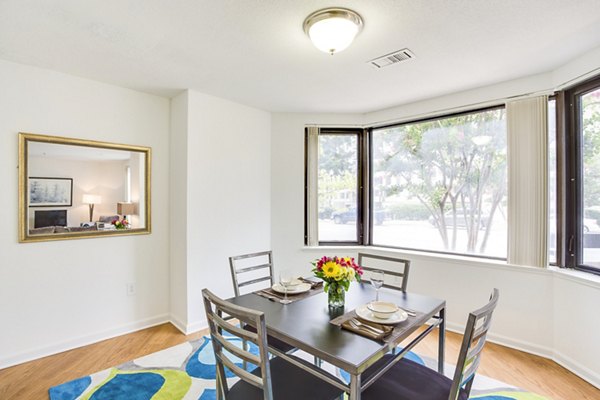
[[33, 379]]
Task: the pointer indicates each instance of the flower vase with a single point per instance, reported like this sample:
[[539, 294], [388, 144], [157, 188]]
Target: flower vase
[[336, 295]]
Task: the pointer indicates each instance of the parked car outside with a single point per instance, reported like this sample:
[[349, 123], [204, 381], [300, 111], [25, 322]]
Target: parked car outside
[[343, 217]]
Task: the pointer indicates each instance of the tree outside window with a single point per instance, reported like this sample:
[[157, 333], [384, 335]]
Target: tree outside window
[[442, 184]]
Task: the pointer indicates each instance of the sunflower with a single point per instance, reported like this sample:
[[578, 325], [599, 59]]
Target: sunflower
[[331, 269]]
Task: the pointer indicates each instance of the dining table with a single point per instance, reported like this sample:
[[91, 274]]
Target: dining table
[[306, 325]]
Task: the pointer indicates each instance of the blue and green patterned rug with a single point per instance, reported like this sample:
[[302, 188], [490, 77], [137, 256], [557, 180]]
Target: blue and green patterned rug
[[187, 372]]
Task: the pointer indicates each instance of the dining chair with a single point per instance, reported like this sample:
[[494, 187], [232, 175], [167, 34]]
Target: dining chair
[[274, 378], [373, 262], [251, 269], [408, 380]]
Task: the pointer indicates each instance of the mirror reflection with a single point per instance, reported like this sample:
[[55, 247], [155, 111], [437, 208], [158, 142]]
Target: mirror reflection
[[75, 188]]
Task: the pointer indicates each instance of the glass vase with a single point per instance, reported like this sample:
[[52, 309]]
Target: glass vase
[[336, 295]]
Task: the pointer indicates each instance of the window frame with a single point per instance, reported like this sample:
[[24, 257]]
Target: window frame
[[365, 191], [370, 169], [361, 196], [571, 189]]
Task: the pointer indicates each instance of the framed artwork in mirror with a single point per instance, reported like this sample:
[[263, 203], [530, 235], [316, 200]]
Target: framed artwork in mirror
[[50, 192], [86, 188]]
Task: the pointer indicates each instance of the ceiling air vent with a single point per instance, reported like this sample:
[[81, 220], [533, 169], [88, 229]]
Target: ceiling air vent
[[392, 58]]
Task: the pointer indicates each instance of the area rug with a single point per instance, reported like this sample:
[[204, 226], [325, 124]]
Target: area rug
[[187, 372]]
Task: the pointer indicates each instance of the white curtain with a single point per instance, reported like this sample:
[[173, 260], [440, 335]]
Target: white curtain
[[527, 123], [312, 181]]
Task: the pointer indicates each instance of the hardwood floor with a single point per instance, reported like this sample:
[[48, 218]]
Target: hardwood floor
[[33, 379]]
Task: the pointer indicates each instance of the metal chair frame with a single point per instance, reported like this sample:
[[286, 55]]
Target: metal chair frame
[[214, 306], [478, 324], [402, 274], [235, 272]]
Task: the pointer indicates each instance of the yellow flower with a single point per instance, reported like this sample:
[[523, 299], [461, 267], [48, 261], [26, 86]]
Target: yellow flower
[[350, 274], [331, 269]]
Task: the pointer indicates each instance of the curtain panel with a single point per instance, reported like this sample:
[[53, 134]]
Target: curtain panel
[[312, 181], [527, 128]]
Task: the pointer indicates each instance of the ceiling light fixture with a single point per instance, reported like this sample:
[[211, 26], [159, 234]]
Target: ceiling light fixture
[[332, 29]]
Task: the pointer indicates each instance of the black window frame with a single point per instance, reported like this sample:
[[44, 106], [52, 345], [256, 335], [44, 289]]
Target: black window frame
[[569, 206], [571, 195], [365, 183], [361, 199]]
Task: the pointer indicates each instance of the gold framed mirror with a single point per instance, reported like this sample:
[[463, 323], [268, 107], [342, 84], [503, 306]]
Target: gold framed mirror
[[75, 188]]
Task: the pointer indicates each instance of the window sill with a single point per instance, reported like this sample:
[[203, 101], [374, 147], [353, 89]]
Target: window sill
[[435, 257], [577, 276]]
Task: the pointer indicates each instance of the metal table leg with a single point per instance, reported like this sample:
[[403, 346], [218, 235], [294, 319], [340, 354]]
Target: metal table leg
[[354, 387], [442, 339]]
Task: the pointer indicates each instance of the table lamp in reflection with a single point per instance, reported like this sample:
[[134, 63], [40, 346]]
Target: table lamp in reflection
[[91, 200], [125, 209]]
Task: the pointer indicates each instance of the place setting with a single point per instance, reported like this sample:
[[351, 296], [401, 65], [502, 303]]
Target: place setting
[[290, 289], [377, 319]]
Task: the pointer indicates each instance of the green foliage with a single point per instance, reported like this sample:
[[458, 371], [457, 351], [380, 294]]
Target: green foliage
[[447, 164], [591, 148], [338, 166], [592, 212], [408, 212]]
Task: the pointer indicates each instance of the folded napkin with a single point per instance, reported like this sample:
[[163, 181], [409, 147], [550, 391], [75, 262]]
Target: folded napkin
[[364, 331], [313, 283]]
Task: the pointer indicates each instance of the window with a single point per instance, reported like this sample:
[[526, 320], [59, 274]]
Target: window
[[338, 186], [582, 190], [441, 184], [435, 185]]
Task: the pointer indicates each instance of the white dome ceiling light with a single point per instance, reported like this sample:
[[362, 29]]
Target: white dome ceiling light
[[333, 29]]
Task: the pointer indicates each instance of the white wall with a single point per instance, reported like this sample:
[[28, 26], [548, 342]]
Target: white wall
[[59, 295], [576, 323], [178, 219], [228, 196]]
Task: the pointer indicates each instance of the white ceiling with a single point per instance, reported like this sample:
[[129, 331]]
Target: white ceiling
[[254, 51]]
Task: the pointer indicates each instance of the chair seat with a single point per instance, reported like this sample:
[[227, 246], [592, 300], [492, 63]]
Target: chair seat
[[272, 341], [289, 382], [408, 380]]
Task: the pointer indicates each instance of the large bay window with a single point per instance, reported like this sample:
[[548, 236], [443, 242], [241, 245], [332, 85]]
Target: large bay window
[[519, 182], [436, 185]]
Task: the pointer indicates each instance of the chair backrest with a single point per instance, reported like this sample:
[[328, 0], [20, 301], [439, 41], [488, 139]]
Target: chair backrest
[[401, 268], [478, 324], [257, 267], [224, 349]]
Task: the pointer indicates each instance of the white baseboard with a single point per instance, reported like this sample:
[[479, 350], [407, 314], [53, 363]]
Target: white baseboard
[[593, 377], [190, 327], [71, 344], [526, 347], [177, 323], [197, 326], [583, 372]]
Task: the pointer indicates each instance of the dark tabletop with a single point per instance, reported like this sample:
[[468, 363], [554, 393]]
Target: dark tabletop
[[305, 324]]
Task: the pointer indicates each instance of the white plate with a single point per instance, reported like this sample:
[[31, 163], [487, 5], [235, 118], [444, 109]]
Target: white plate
[[295, 289], [366, 314]]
